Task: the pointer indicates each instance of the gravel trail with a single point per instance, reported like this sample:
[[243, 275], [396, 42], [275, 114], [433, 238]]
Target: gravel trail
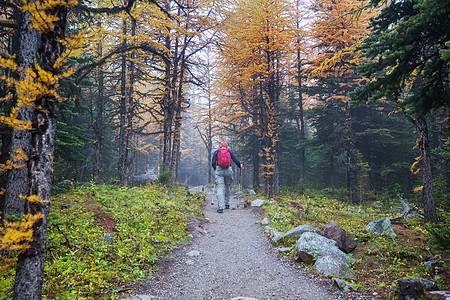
[[234, 259]]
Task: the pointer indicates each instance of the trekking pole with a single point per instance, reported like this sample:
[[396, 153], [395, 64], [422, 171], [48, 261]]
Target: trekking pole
[[239, 185], [214, 194]]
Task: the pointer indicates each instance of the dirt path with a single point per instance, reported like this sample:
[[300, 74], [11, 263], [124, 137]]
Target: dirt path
[[234, 259]]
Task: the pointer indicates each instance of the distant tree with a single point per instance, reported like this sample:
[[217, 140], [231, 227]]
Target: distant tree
[[336, 33], [255, 42]]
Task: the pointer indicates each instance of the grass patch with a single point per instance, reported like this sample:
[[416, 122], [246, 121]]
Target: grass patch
[[103, 237], [380, 261]]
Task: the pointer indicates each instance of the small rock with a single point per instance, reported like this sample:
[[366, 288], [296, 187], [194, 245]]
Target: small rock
[[258, 203], [431, 264], [265, 221], [108, 238], [251, 192], [333, 266], [189, 262], [343, 285], [444, 294], [428, 284], [294, 232], [381, 226], [344, 240], [193, 253], [410, 288], [283, 249]]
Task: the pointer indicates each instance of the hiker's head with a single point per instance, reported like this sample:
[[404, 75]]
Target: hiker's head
[[224, 144]]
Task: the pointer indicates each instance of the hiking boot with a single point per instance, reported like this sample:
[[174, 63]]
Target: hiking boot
[[220, 210], [227, 207]]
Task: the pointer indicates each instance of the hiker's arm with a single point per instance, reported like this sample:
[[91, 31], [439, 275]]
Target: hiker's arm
[[214, 160], [236, 160]]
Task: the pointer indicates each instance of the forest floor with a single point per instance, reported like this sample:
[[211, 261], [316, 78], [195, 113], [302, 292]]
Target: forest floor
[[230, 257]]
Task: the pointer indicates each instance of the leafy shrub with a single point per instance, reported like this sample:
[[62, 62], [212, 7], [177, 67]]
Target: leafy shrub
[[103, 237], [440, 235], [165, 177]]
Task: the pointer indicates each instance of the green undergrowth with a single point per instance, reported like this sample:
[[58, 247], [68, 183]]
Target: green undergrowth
[[380, 260], [103, 237]]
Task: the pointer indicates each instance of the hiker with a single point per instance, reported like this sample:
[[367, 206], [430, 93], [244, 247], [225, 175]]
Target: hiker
[[221, 163]]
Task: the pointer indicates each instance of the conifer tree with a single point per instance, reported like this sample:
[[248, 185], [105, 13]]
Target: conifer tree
[[407, 67]]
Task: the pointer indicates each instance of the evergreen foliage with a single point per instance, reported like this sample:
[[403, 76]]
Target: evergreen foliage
[[404, 51]]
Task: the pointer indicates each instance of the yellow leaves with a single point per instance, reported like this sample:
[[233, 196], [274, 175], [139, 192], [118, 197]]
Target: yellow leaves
[[33, 199], [18, 161], [414, 165], [8, 63], [16, 236], [40, 19], [18, 233], [418, 189]]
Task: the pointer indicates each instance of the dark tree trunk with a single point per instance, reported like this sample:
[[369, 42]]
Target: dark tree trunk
[[255, 163], [352, 172], [332, 170], [16, 181], [427, 177], [300, 108], [167, 104], [30, 266], [98, 124], [125, 117]]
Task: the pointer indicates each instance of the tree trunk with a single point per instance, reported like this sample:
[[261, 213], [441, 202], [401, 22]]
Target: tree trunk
[[167, 104], [427, 177], [300, 108], [255, 163], [98, 124], [332, 170], [16, 181], [30, 266], [124, 112]]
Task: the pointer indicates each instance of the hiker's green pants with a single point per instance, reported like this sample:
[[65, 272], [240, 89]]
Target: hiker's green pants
[[224, 178]]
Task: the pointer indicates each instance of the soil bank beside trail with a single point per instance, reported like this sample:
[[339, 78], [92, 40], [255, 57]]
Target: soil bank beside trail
[[234, 259]]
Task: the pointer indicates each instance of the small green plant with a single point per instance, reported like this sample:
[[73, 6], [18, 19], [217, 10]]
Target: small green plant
[[165, 177], [440, 235]]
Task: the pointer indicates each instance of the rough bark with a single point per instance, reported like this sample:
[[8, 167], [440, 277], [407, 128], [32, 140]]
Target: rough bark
[[425, 165], [16, 180], [167, 104], [30, 266]]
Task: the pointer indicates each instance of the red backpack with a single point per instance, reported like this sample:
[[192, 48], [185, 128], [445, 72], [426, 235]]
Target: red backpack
[[223, 158]]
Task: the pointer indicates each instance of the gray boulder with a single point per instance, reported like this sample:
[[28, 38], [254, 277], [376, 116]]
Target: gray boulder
[[311, 245], [258, 203], [428, 284], [251, 192], [143, 179], [333, 266], [344, 240], [343, 285], [197, 190], [294, 232], [410, 288], [381, 226], [273, 234]]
